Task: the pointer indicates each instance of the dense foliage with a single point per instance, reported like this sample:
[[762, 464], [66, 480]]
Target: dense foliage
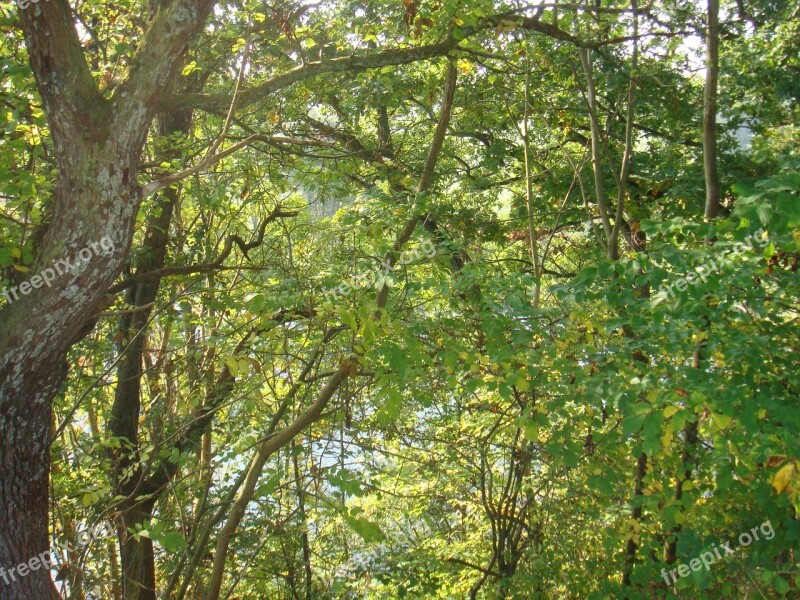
[[362, 369]]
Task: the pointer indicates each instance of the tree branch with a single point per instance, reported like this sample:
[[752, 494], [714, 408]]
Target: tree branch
[[218, 103], [72, 102], [155, 64], [274, 441], [209, 160], [209, 266]]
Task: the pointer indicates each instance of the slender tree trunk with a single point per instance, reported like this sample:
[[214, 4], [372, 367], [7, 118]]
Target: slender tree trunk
[[116, 575], [636, 515], [138, 559], [710, 112], [534, 245], [690, 433], [301, 511], [597, 154]]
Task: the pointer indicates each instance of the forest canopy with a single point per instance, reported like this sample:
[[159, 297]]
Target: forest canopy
[[420, 298]]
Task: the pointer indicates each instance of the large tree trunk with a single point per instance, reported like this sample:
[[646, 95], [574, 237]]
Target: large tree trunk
[[35, 336], [24, 409], [97, 147]]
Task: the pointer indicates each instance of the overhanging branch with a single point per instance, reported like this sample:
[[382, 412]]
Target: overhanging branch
[[209, 266], [218, 103]]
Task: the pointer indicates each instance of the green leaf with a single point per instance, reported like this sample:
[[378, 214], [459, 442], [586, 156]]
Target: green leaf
[[369, 531], [632, 423], [172, 541], [348, 318]]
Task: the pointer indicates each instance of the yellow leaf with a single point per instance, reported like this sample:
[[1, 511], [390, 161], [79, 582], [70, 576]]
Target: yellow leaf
[[21, 269], [784, 477], [233, 365], [721, 421], [244, 365], [189, 68], [670, 410], [16, 253], [666, 441]]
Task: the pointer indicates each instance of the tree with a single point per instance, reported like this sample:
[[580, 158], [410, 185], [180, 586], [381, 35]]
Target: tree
[[397, 298]]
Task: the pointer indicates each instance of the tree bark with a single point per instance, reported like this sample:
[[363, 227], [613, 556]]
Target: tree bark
[[97, 145], [137, 557], [710, 112]]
